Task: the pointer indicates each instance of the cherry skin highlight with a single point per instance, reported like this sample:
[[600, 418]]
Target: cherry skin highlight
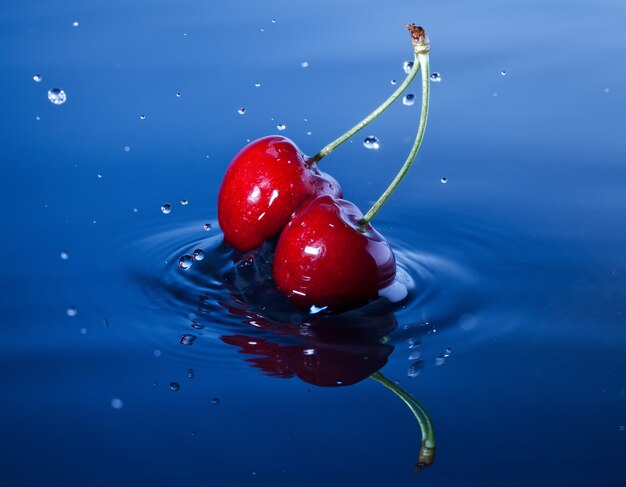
[[327, 258], [264, 184]]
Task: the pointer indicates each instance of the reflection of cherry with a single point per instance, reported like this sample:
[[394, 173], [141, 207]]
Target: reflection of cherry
[[328, 353], [265, 182], [326, 258], [324, 365]]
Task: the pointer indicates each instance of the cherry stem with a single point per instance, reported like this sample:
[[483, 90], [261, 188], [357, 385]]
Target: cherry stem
[[421, 47], [371, 117], [427, 449]]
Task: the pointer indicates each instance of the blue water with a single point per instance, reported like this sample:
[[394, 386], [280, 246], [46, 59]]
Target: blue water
[[514, 332]]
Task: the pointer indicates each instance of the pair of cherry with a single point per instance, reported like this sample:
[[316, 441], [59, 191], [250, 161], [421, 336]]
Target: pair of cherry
[[328, 255]]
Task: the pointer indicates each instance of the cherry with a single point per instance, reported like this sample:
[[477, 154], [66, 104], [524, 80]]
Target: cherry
[[265, 182], [327, 258], [269, 178]]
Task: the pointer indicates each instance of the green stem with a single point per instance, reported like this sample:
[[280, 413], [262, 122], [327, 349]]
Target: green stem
[[427, 450], [367, 120], [421, 55]]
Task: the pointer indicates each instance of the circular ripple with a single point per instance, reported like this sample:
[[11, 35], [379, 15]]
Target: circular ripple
[[192, 311]]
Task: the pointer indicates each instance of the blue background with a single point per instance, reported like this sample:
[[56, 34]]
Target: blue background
[[519, 258]]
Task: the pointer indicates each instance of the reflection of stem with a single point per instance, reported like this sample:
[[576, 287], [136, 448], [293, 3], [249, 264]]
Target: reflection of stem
[[427, 450]]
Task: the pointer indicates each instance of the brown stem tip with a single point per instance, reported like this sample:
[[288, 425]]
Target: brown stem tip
[[421, 44]]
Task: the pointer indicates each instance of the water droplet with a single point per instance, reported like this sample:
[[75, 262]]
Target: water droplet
[[135, 210], [37, 78], [117, 403], [503, 73], [142, 117], [64, 255], [187, 340], [215, 400], [408, 100], [304, 64], [371, 142], [257, 85], [190, 373], [281, 126], [83, 331], [444, 180], [178, 94], [241, 110], [197, 326], [440, 360], [185, 262], [415, 369], [254, 472], [435, 77], [273, 21], [309, 132], [166, 209], [495, 93], [71, 311], [57, 96], [75, 23], [37, 118], [126, 148], [407, 66], [184, 202], [174, 386], [198, 254], [208, 226], [157, 353], [393, 82], [606, 90]]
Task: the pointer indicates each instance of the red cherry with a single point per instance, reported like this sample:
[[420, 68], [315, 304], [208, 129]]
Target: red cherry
[[327, 258], [264, 184]]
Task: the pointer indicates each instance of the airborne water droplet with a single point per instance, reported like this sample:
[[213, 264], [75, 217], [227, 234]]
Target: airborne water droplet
[[64, 255], [208, 226], [241, 110], [178, 94], [174, 386], [435, 77], [184, 202], [71, 311], [185, 262], [57, 96], [198, 254], [166, 209], [444, 180], [304, 64], [257, 85], [408, 100], [393, 82], [407, 66], [75, 23], [117, 403], [371, 142], [281, 126], [215, 400], [142, 117], [188, 340], [503, 73], [37, 78]]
